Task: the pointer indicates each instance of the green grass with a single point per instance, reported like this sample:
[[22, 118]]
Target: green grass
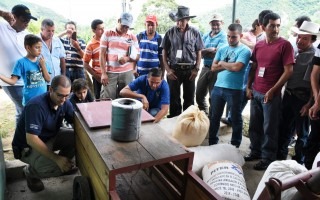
[[7, 119]]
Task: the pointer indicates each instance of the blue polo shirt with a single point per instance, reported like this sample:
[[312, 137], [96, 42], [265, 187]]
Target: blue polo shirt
[[216, 41], [39, 118], [156, 98]]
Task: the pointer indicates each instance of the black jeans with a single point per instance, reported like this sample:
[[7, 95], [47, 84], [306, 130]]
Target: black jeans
[[96, 87], [188, 92], [312, 147]]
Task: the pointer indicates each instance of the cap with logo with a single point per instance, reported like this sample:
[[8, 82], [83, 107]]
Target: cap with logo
[[22, 11], [126, 19], [152, 18]]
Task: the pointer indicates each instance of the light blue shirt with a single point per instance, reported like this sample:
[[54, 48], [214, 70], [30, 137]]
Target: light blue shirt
[[230, 79], [34, 83], [216, 41], [53, 58]]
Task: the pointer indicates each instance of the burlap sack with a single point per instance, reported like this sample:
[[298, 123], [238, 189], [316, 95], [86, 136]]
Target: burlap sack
[[192, 127]]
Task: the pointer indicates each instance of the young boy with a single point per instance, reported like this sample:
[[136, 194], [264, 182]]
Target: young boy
[[80, 92], [31, 68]]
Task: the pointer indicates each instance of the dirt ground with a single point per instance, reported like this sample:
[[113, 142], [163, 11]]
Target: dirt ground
[[7, 124]]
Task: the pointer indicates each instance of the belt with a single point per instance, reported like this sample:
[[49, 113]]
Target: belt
[[182, 67], [71, 69]]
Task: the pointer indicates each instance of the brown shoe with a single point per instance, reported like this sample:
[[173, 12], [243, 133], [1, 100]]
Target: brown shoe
[[34, 184]]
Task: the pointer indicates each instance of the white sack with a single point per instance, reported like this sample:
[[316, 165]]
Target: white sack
[[208, 154], [316, 160], [192, 127], [281, 170], [226, 178]]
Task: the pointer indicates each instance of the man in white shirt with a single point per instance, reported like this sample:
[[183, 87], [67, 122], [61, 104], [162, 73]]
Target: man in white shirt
[[12, 48]]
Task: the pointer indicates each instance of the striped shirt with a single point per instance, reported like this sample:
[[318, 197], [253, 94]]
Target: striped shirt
[[150, 52], [92, 52], [73, 59], [118, 46]]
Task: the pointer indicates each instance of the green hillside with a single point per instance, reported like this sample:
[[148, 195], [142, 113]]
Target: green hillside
[[248, 10]]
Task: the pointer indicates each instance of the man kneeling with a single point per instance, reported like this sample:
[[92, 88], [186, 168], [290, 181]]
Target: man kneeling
[[152, 91], [38, 135]]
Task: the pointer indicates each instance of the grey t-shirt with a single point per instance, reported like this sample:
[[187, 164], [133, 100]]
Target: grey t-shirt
[[302, 70]]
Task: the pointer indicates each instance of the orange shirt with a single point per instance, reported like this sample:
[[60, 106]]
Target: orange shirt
[[92, 53], [118, 46]]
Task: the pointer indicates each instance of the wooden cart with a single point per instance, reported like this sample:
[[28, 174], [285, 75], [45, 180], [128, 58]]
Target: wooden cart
[[153, 167]]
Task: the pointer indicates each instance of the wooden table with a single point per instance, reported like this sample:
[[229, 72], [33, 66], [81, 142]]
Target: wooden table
[[153, 167]]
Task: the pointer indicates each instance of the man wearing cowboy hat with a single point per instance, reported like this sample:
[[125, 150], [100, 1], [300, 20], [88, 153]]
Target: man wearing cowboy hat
[[313, 142], [182, 45], [213, 40], [12, 48], [272, 63], [297, 98]]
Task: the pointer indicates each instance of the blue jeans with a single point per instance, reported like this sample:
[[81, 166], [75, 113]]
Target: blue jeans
[[75, 73], [264, 126], [219, 97], [188, 92], [243, 105], [15, 94], [291, 119]]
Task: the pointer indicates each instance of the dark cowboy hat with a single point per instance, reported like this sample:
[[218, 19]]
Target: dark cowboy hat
[[182, 13]]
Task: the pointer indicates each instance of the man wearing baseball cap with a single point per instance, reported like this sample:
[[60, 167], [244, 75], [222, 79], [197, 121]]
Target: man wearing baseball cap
[[150, 50], [213, 40], [119, 49], [12, 33]]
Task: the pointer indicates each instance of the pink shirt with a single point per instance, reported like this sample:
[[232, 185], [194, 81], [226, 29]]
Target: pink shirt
[[271, 57], [249, 36]]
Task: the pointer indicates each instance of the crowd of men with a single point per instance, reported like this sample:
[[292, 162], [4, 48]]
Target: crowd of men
[[237, 66]]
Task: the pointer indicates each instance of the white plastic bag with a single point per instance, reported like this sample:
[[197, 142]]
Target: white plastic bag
[[316, 160], [192, 127]]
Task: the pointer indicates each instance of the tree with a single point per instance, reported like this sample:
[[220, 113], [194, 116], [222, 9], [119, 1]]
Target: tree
[[161, 9]]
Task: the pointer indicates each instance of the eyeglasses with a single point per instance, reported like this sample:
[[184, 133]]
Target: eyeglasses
[[232, 36]]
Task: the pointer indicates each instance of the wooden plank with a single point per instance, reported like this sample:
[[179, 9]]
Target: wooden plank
[[160, 180], [138, 186], [89, 148], [197, 189], [172, 176], [87, 169]]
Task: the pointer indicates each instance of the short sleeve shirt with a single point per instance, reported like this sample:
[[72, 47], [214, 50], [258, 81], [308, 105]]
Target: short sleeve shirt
[[189, 42], [216, 41], [34, 83], [156, 98], [230, 79], [271, 58], [39, 118]]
